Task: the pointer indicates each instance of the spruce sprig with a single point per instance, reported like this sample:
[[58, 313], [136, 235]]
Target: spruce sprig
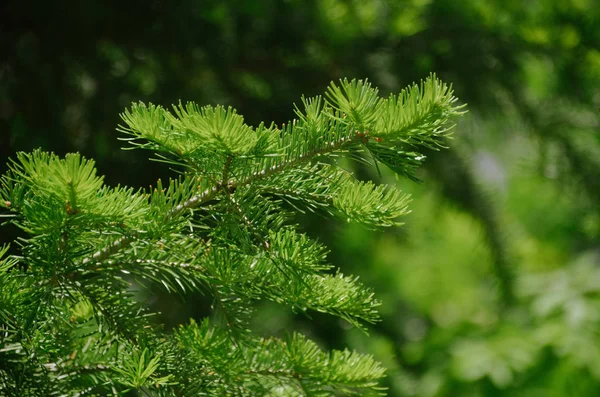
[[70, 323]]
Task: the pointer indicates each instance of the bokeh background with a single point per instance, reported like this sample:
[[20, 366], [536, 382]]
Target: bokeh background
[[492, 287]]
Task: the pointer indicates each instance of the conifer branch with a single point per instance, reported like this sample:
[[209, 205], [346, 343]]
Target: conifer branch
[[221, 228], [224, 185]]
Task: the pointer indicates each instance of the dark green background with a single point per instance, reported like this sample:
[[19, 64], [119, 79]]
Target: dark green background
[[492, 287]]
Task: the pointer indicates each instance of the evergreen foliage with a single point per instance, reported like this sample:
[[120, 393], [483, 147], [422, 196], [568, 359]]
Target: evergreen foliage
[[516, 196], [70, 323]]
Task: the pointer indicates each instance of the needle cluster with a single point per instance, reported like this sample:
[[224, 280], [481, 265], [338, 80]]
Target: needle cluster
[[70, 323]]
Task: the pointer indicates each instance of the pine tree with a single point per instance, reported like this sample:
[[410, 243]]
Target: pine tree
[[70, 323]]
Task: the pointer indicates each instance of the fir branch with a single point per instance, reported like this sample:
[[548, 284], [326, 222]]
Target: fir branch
[[417, 117], [220, 228], [297, 364]]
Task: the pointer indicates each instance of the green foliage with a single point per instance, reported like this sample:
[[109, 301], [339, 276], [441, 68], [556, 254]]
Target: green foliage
[[460, 336], [70, 320], [516, 196], [275, 367]]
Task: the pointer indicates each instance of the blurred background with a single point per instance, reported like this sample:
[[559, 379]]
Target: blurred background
[[492, 287]]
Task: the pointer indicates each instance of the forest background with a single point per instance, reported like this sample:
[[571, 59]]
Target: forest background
[[492, 287]]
